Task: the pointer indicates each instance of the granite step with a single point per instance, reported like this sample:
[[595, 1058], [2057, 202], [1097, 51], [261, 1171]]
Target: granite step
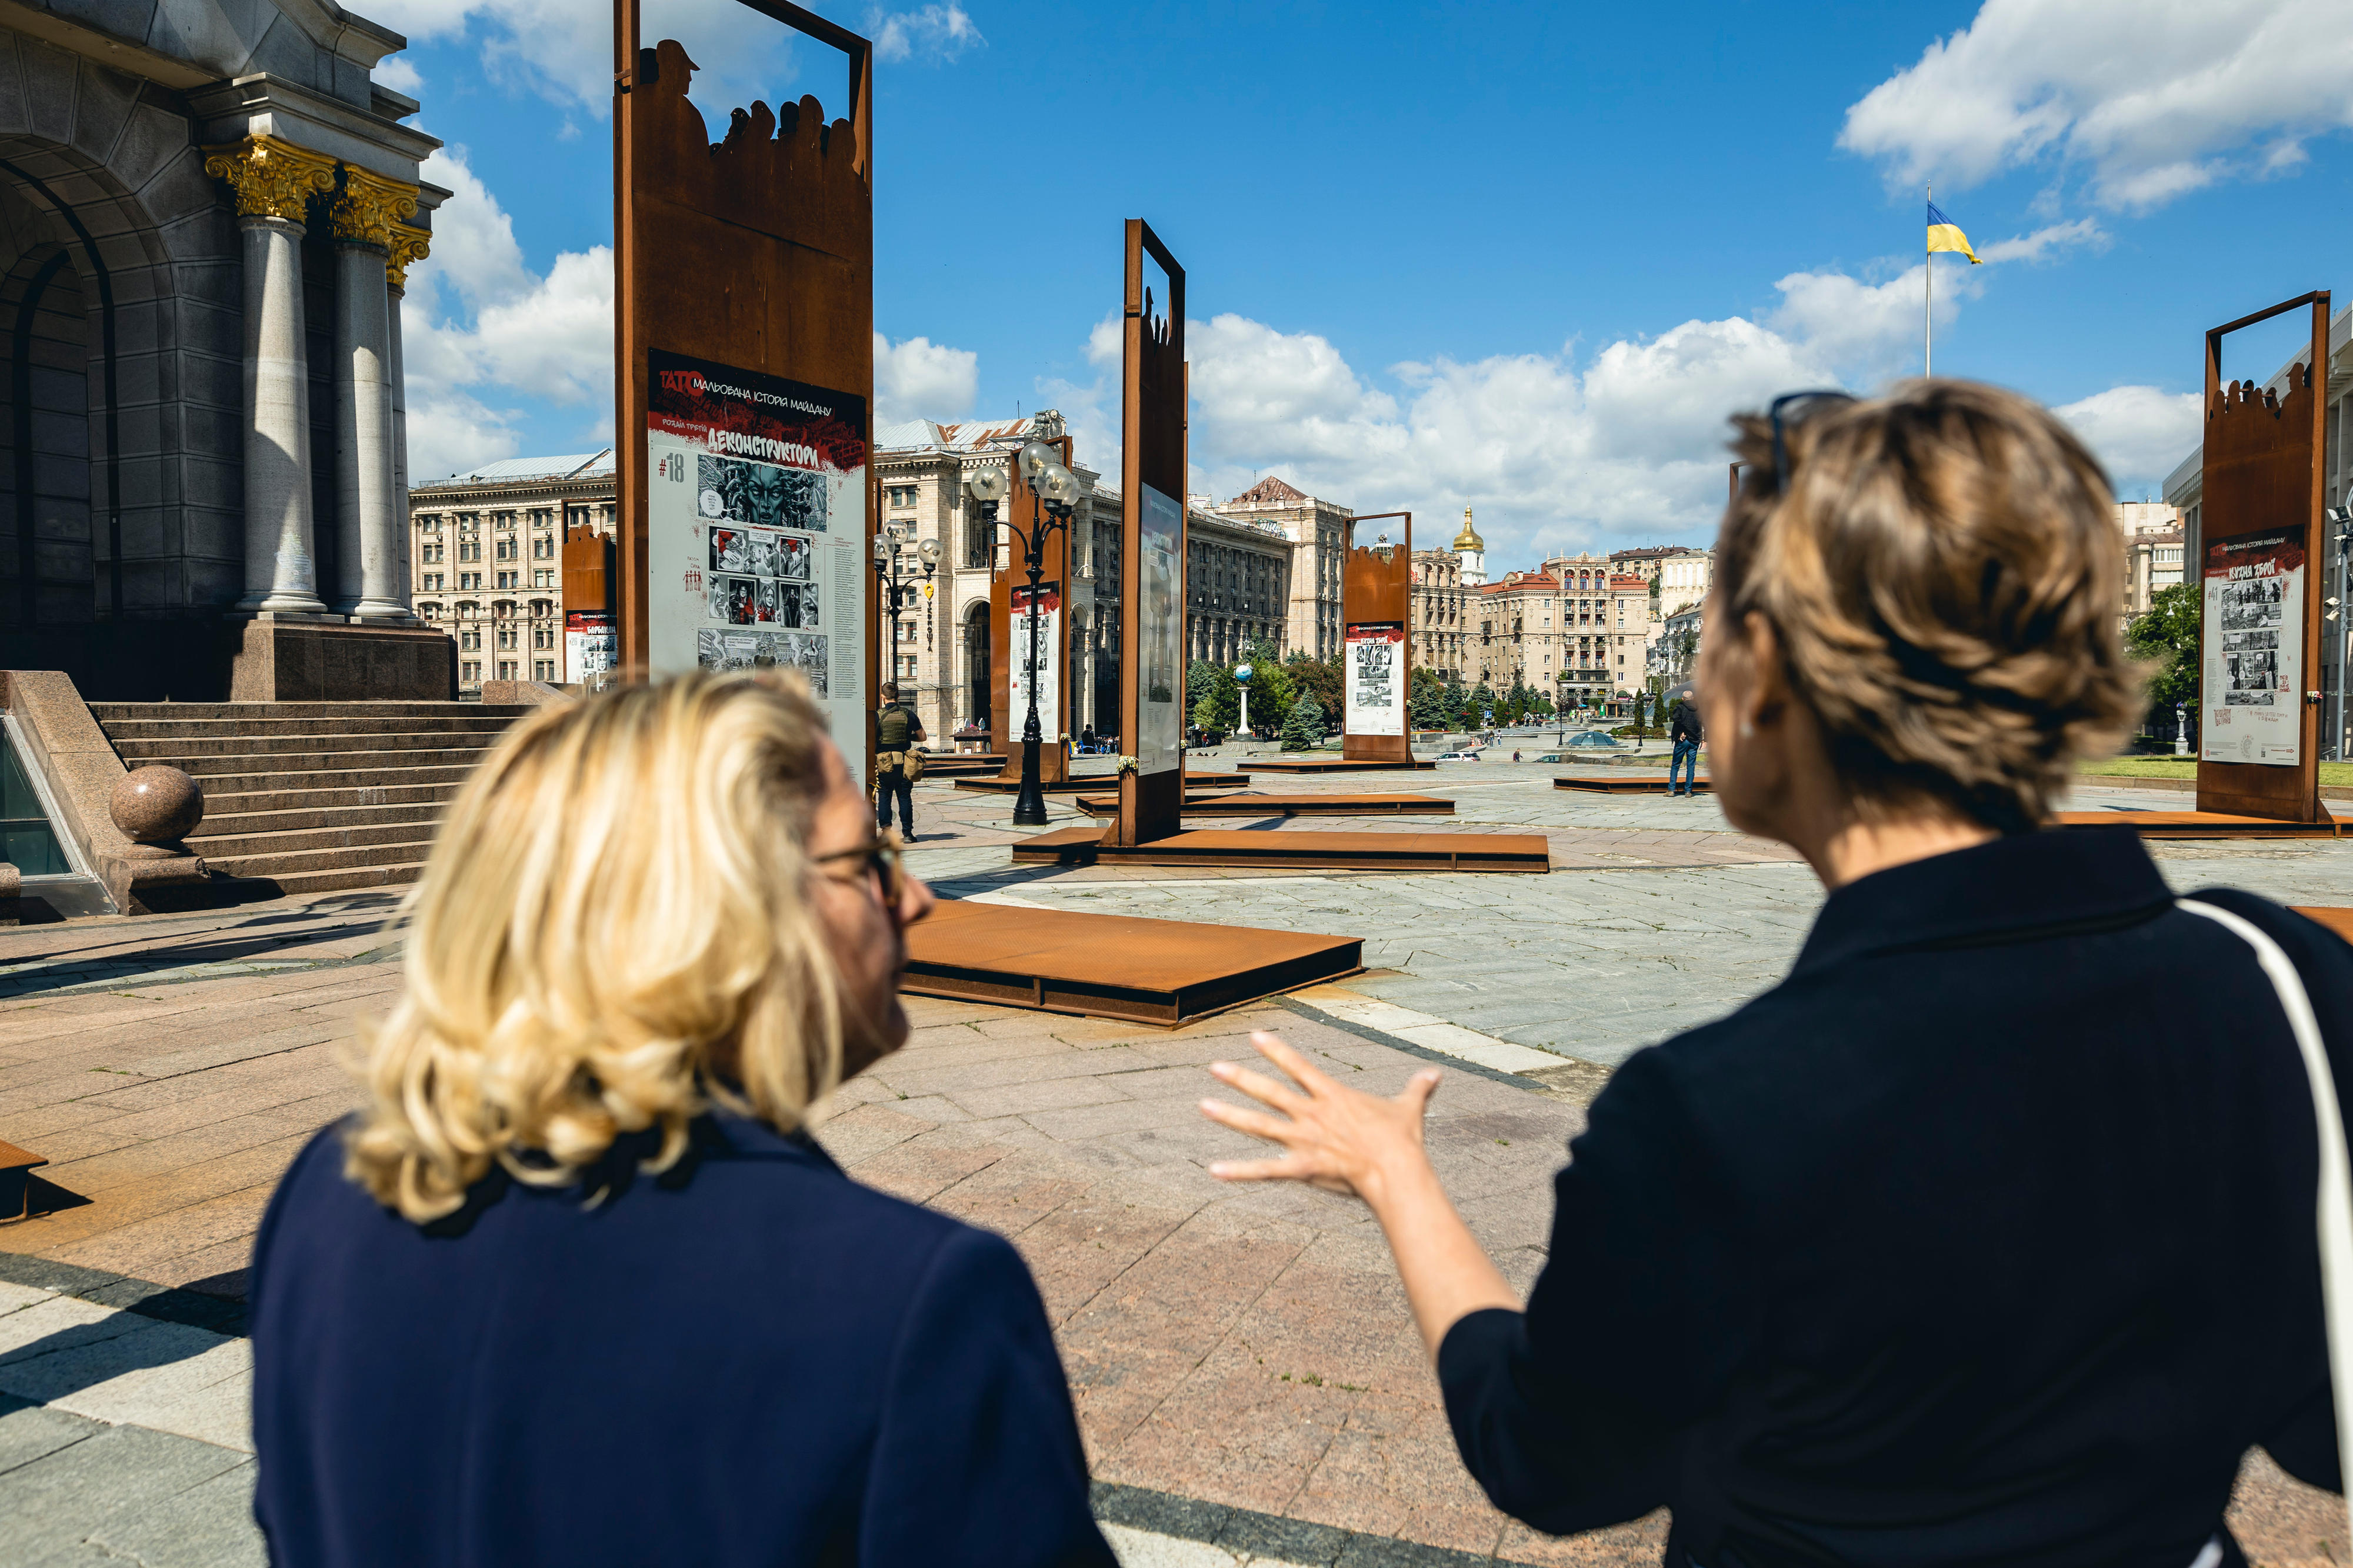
[[231, 805], [344, 878], [269, 781], [234, 747], [422, 814], [222, 772], [224, 848], [109, 712], [276, 863], [300, 732]]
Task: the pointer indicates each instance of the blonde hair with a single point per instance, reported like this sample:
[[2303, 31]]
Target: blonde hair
[[612, 932], [1945, 576]]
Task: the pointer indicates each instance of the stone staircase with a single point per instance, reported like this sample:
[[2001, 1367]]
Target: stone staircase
[[314, 796]]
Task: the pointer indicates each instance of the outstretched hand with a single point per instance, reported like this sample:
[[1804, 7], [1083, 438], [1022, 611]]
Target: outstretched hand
[[1339, 1139]]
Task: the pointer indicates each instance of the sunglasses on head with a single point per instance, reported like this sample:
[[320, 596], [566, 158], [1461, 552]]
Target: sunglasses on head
[[885, 857], [1805, 406]]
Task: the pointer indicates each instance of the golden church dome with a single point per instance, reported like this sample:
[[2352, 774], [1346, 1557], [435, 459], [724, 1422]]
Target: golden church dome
[[1469, 538]]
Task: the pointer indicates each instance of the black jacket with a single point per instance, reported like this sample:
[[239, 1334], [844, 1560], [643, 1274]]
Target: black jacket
[[1682, 722], [1986, 1236]]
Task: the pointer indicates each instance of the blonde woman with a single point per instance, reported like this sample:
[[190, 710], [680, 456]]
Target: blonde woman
[[1988, 1235], [576, 1287]]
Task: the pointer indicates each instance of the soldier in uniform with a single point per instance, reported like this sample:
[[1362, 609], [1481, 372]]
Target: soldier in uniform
[[897, 732]]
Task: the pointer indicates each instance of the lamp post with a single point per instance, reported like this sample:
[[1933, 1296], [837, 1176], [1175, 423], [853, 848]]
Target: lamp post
[[890, 575], [1057, 490], [987, 487]]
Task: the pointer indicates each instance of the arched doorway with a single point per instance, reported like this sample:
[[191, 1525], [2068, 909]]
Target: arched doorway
[[977, 665], [49, 561]]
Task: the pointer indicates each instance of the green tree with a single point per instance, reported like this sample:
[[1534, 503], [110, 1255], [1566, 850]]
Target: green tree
[[2168, 638], [1271, 691], [1482, 706], [1430, 704], [1321, 679], [1213, 685], [1303, 728]]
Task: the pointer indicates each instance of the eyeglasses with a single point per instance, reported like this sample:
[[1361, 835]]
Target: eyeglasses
[[885, 856], [1808, 405]]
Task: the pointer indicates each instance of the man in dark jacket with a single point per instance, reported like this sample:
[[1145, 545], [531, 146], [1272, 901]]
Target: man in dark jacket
[[897, 730], [1684, 725]]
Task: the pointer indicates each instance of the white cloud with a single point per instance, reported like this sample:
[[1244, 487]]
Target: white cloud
[[394, 72], [2152, 99], [2138, 433], [479, 330], [2044, 244], [919, 379], [933, 32], [561, 50]]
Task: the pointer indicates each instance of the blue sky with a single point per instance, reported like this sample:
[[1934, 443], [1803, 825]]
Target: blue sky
[[1524, 257]]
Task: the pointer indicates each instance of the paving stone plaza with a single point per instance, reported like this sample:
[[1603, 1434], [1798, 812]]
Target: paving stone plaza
[[1248, 1384]]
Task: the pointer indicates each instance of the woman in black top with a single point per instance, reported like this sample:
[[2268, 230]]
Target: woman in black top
[[1988, 1235]]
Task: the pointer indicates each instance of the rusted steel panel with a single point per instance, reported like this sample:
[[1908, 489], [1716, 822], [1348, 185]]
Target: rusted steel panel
[[2264, 473], [1375, 592]]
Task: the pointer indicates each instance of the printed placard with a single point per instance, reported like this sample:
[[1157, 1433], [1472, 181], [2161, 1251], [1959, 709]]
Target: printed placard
[[1160, 638], [2252, 688], [1373, 697], [756, 530], [1048, 673]]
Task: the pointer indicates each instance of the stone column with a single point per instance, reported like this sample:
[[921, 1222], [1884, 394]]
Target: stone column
[[408, 247], [369, 560], [274, 182]]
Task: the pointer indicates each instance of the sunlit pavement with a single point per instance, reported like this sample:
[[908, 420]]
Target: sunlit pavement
[[1249, 1385]]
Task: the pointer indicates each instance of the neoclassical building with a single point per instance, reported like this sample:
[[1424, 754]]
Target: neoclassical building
[[486, 559], [207, 212]]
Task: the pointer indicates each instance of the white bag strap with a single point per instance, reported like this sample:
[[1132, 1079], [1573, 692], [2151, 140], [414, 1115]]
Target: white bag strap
[[2335, 1198]]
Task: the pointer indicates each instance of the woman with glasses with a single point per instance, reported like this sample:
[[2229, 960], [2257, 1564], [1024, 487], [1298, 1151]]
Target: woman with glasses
[[576, 1286], [1988, 1235]]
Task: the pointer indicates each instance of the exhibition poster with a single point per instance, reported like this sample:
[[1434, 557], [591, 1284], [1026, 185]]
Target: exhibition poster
[[592, 645], [1049, 682], [2252, 686], [1160, 638], [1373, 679], [756, 530]]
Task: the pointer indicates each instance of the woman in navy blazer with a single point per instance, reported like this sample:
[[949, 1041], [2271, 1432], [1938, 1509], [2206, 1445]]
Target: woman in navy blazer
[[1987, 1236], [577, 1288]]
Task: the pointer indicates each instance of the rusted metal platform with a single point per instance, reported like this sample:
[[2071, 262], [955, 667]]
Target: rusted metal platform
[[1337, 765], [962, 765], [1267, 850], [2198, 825], [2337, 919], [1636, 786], [1093, 781], [1234, 804], [1111, 966]]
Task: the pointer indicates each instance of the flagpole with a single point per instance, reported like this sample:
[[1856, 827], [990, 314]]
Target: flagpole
[[1928, 278]]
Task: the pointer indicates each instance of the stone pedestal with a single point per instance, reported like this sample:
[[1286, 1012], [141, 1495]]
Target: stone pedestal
[[293, 658]]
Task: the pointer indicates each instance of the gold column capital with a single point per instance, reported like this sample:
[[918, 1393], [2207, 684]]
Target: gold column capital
[[408, 247], [366, 210], [272, 178]]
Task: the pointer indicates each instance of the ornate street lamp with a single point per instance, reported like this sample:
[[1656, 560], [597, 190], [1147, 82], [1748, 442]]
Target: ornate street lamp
[[891, 575], [1057, 489]]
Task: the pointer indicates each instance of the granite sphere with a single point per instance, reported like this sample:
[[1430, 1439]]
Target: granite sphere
[[156, 804]]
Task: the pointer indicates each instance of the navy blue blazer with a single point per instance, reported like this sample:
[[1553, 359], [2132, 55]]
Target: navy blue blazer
[[1986, 1236], [750, 1360]]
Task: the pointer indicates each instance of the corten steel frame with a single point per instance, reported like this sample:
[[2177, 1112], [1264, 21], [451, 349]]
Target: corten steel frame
[[1372, 589], [1021, 512], [1155, 382], [758, 252], [2264, 470]]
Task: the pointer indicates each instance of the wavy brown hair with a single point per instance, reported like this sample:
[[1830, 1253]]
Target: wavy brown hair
[[1945, 577], [612, 933]]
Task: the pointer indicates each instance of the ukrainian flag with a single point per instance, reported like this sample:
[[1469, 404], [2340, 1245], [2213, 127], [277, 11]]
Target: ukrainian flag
[[1944, 234]]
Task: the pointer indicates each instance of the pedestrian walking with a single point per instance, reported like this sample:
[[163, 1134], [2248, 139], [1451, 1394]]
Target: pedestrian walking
[[1684, 725], [897, 764], [576, 1285], [1988, 1234]]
